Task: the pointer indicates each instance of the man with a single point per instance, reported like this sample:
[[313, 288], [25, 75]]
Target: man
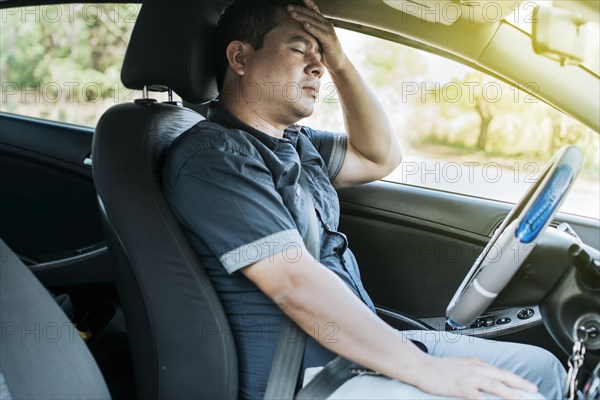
[[234, 183]]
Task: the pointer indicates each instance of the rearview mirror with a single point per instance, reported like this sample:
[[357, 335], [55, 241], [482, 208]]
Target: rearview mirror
[[559, 34]]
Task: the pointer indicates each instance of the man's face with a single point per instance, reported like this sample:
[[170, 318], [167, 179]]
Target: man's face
[[281, 83]]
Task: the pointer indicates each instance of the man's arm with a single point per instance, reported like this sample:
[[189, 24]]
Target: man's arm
[[373, 150], [314, 297]]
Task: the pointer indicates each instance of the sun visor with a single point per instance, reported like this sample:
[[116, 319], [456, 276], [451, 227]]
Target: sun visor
[[447, 12]]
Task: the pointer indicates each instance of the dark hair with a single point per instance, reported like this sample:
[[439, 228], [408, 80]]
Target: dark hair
[[247, 21]]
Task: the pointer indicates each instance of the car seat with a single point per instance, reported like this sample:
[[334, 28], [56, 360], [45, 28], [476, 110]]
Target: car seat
[[41, 353], [179, 336]]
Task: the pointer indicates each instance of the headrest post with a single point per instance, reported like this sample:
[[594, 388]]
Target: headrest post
[[145, 99], [170, 95]]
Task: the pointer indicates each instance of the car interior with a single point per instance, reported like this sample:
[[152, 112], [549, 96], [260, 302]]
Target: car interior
[[82, 208]]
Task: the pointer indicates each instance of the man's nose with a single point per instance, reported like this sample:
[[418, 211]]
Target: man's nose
[[315, 67]]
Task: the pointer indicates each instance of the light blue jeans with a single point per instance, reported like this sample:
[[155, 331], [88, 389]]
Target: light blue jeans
[[532, 363]]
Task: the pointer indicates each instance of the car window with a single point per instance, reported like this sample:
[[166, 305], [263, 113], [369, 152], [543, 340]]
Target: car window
[[63, 62], [461, 130]]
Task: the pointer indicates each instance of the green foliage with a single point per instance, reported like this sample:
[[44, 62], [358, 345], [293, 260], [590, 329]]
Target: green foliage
[[381, 62], [63, 54], [470, 110], [70, 58]]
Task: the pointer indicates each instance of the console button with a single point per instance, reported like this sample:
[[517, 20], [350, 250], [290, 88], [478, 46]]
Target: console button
[[525, 313], [483, 322], [502, 321], [477, 324]]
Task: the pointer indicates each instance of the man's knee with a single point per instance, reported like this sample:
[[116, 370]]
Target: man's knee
[[545, 370], [546, 361]]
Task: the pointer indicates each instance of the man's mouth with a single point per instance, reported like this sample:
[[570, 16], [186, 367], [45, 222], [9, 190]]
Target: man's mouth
[[314, 92]]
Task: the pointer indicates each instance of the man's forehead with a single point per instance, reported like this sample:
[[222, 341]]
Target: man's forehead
[[292, 31]]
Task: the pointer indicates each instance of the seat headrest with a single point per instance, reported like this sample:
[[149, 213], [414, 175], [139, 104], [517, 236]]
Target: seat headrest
[[171, 46]]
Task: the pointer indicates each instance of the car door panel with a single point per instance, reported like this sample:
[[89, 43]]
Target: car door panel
[[415, 245], [49, 211]]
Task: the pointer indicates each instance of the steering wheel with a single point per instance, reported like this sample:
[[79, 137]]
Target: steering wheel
[[515, 239]]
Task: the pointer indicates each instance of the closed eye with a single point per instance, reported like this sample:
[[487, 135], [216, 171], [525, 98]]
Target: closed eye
[[298, 51]]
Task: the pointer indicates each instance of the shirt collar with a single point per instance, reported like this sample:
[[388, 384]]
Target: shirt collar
[[219, 114]]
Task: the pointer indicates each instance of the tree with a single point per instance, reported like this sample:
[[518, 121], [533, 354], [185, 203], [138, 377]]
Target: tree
[[483, 108], [72, 54]]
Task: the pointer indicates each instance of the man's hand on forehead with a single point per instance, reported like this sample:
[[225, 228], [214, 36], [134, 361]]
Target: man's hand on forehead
[[323, 30]]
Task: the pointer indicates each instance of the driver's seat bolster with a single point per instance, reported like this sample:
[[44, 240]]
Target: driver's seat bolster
[[180, 339]]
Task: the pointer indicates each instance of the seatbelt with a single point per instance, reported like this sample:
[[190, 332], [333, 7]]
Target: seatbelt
[[292, 340], [312, 241], [287, 361], [331, 377]]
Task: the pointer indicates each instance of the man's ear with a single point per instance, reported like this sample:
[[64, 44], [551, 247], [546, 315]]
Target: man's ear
[[236, 55]]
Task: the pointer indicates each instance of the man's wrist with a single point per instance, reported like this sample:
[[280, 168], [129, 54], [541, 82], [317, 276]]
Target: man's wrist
[[412, 371], [343, 68]]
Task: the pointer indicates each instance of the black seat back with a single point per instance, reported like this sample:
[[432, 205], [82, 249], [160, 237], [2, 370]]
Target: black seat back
[[41, 353], [179, 334]]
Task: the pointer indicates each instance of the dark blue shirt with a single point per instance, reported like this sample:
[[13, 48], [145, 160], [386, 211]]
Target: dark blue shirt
[[236, 190]]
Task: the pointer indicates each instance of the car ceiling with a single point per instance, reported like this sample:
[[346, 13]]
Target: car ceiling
[[497, 48]]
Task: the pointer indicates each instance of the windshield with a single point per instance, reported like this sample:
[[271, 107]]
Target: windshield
[[463, 131]]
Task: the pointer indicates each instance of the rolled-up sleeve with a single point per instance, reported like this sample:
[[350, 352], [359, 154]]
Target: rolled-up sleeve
[[228, 200], [332, 147]]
